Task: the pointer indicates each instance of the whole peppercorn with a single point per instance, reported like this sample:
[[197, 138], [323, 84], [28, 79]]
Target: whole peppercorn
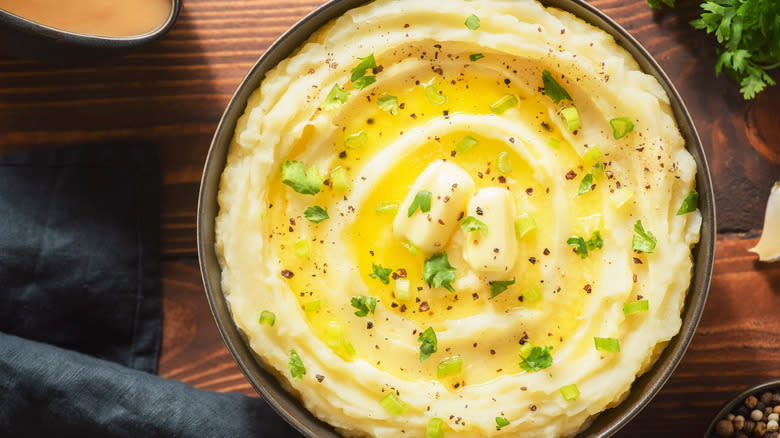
[[772, 426], [776, 398], [773, 417], [724, 428], [771, 435], [760, 429], [749, 426], [760, 406], [777, 409], [756, 415], [739, 422], [766, 397], [751, 402]]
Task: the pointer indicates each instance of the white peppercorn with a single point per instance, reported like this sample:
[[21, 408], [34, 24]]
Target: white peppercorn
[[756, 415], [772, 425]]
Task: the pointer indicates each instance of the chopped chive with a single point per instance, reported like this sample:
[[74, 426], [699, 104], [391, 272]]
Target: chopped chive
[[591, 155], [621, 126], [635, 306], [504, 165], [643, 241], [356, 140], [435, 96], [553, 142], [312, 306], [532, 295], [393, 404], [689, 204], [524, 225], [339, 178], [414, 250], [402, 289], [465, 144], [472, 22], [302, 248], [450, 366], [434, 429], [335, 334], [387, 208], [349, 349], [423, 200], [267, 317], [570, 392], [611, 345], [470, 224], [503, 104], [572, 118]]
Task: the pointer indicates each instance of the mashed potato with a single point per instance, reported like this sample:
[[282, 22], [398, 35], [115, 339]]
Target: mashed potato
[[457, 215]]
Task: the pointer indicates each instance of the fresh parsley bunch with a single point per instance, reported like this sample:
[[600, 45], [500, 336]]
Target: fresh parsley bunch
[[749, 31]]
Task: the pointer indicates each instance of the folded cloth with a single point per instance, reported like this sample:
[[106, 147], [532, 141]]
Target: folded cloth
[[79, 250], [47, 391]]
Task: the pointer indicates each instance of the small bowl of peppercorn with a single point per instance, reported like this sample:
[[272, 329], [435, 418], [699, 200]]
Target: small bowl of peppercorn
[[753, 413]]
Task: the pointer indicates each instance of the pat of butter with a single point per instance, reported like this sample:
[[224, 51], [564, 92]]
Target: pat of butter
[[496, 249], [451, 187]]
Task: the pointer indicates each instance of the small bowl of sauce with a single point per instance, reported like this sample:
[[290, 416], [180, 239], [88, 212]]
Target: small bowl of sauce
[[67, 30]]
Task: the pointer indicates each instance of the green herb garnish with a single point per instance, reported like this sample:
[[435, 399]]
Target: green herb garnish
[[438, 272], [393, 404], [472, 22], [469, 224], [388, 208], [689, 204], [643, 241], [360, 70], [422, 200], [553, 89], [364, 82], [364, 305], [524, 225], [570, 392], [571, 117], [267, 317], [302, 248], [586, 184], [466, 143], [503, 163], [312, 306], [428, 344], [635, 306], [434, 429], [315, 214], [335, 97], [611, 345], [621, 127], [476, 57], [501, 422], [434, 96], [535, 358], [503, 104], [496, 287], [297, 370], [307, 182], [383, 274], [582, 246], [450, 366], [356, 140], [388, 103]]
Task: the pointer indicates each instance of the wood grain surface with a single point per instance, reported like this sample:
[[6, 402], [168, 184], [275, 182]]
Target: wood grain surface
[[172, 94]]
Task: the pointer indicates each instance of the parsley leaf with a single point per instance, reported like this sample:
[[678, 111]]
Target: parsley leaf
[[438, 272], [307, 182], [496, 287], [297, 370], [364, 305], [656, 4], [689, 204], [582, 246], [315, 214], [537, 359], [364, 82], [472, 22], [335, 97], [360, 70], [423, 200], [553, 89], [470, 223], [643, 240], [388, 103], [501, 422], [428, 344], [474, 57], [383, 274], [586, 184]]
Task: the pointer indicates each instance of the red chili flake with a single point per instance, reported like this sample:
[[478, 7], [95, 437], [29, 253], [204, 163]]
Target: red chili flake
[[292, 221], [496, 250], [406, 26], [533, 408], [414, 116], [570, 175], [287, 273], [401, 272], [640, 149], [635, 278], [403, 307], [441, 222], [377, 69]]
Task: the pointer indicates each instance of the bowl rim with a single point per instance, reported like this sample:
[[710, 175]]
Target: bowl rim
[[643, 389], [28, 26], [729, 405]]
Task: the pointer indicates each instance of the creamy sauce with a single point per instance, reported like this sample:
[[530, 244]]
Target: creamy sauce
[[110, 18]]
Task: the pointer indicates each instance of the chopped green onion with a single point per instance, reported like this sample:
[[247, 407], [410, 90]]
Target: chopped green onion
[[356, 140], [553, 142], [586, 184], [643, 241], [621, 126], [593, 153], [572, 118], [339, 178], [524, 225], [434, 429], [402, 289], [598, 171], [553, 89], [363, 304], [383, 274], [535, 358], [474, 57], [635, 306], [621, 197], [414, 250], [335, 334], [611, 345], [501, 422], [689, 204], [504, 165], [496, 287], [423, 200], [297, 370], [393, 404], [315, 214], [428, 344], [349, 349], [570, 392], [388, 103], [503, 104], [302, 248], [532, 295], [267, 317], [472, 22], [364, 82], [335, 97], [435, 96], [312, 306], [466, 143], [470, 224], [450, 366], [360, 70], [387, 208], [438, 272], [307, 182]]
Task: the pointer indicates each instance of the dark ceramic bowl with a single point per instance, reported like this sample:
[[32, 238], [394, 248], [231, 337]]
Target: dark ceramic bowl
[[27, 39], [291, 409], [738, 400]]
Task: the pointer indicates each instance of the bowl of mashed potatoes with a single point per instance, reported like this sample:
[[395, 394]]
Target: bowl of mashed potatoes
[[467, 218]]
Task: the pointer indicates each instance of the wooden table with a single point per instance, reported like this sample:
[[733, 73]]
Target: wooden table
[[173, 93]]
